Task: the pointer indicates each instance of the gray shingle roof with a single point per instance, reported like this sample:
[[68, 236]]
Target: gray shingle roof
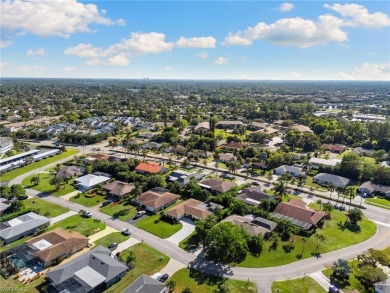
[[289, 169], [145, 284], [330, 178]]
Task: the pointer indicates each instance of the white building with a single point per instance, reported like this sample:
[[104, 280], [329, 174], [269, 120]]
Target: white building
[[6, 144]]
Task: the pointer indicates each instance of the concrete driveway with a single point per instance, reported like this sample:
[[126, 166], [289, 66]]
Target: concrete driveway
[[188, 228]]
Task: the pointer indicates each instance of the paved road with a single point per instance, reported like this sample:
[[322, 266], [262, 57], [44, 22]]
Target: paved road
[[321, 279]]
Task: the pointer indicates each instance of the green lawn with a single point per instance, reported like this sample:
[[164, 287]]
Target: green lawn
[[201, 283], [13, 283], [15, 173], [310, 183], [300, 285], [352, 284], [117, 237], [335, 238], [147, 262], [15, 243], [387, 251], [44, 185], [88, 201], [42, 207], [158, 227], [85, 226], [382, 202], [190, 242], [120, 211]]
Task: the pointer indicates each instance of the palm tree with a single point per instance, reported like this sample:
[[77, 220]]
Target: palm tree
[[171, 285], [144, 153], [350, 192], [320, 238], [130, 259], [280, 190], [339, 190], [331, 188]]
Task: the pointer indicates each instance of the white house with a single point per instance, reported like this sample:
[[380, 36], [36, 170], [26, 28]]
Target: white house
[[292, 170], [317, 162], [88, 181]]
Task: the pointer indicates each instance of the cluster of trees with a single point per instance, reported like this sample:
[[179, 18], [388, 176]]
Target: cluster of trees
[[82, 139]]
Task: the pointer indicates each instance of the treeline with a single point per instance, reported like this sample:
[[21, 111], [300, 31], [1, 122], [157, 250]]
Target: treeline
[[82, 139]]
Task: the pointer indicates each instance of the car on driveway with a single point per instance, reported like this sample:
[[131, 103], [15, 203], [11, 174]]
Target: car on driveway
[[139, 214], [255, 183], [163, 278], [106, 202], [113, 246], [156, 276], [334, 289], [126, 231]]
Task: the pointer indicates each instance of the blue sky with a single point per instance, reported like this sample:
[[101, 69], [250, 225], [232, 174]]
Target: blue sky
[[196, 39]]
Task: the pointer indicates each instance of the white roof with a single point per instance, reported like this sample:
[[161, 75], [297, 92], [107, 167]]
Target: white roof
[[14, 222], [90, 180], [42, 244], [90, 276], [326, 162]]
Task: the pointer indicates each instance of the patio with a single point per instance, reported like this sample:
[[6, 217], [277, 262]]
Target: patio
[[30, 274]]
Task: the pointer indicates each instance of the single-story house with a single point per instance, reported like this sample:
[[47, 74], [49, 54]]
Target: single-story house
[[298, 214], [327, 179], [229, 124], [203, 127], [235, 145], [369, 187], [252, 226], [89, 181], [22, 226], [217, 185], [156, 199], [135, 141], [334, 148], [150, 168], [93, 271], [302, 128], [151, 145], [253, 195], [118, 188], [292, 170], [363, 152], [268, 130], [146, 284], [226, 157], [70, 172], [4, 205], [183, 177], [258, 125], [192, 208], [317, 162], [147, 135]]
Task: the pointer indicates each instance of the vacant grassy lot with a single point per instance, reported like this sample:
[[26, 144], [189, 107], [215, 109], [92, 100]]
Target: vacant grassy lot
[[88, 201], [301, 285], [117, 237], [85, 226], [336, 237], [147, 262], [42, 207], [120, 211], [15, 173], [160, 228], [44, 185], [381, 202], [201, 283]]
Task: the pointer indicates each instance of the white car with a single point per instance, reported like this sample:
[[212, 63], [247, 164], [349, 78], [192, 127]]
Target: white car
[[126, 231], [156, 276], [88, 214]]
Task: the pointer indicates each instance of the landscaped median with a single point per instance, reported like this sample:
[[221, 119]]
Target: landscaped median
[[300, 285], [20, 171]]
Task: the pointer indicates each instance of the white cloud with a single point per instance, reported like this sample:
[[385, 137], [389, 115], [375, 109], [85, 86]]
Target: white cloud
[[221, 61], [202, 55], [51, 18], [84, 51], [286, 7], [5, 43], [39, 52], [168, 69], [368, 71], [197, 42], [236, 39], [358, 15], [118, 60], [68, 69], [295, 74]]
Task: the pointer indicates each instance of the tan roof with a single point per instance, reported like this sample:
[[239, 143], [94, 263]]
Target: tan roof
[[70, 171], [156, 200], [205, 125], [118, 188], [302, 128], [190, 207], [62, 241], [217, 184], [247, 224]]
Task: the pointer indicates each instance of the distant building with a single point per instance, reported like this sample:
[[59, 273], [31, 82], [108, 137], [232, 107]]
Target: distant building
[[13, 127], [70, 172], [229, 124], [6, 144], [183, 177], [327, 179], [253, 196], [369, 188], [203, 127], [302, 128], [334, 148]]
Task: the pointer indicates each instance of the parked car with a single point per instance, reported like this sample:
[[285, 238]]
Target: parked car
[[106, 202], [156, 276], [126, 231], [256, 183], [113, 246], [334, 289], [163, 278], [139, 214], [88, 214]]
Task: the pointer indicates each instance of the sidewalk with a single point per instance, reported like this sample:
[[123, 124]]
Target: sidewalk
[[172, 267], [126, 244], [186, 230], [62, 217]]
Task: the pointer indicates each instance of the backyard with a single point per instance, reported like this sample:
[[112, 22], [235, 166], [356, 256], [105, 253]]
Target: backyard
[[300, 285], [120, 211], [336, 237], [20, 171], [85, 226], [45, 186], [117, 237], [148, 261], [201, 283]]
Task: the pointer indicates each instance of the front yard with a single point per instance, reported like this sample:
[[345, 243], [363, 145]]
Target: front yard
[[88, 200], [300, 285], [44, 207], [85, 226], [120, 211], [44, 185], [117, 237], [201, 283], [336, 237], [148, 261], [160, 228]]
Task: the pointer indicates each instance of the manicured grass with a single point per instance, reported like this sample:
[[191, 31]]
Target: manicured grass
[[158, 227], [336, 237], [190, 242], [381, 202], [42, 206], [15, 243], [301, 285], [120, 211], [352, 283], [117, 237], [201, 283], [147, 262], [13, 283], [88, 201], [15, 173], [310, 183], [44, 185], [85, 226], [387, 251]]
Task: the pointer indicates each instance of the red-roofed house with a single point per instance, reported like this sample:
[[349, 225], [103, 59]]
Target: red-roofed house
[[334, 148], [150, 168]]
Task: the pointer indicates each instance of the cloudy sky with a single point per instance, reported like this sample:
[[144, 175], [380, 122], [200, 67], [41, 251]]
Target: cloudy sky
[[196, 39]]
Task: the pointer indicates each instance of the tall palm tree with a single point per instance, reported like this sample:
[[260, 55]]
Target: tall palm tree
[[350, 192], [331, 188], [280, 190]]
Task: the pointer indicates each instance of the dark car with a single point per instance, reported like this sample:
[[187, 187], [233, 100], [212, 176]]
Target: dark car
[[256, 183], [106, 202], [163, 278], [113, 246]]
